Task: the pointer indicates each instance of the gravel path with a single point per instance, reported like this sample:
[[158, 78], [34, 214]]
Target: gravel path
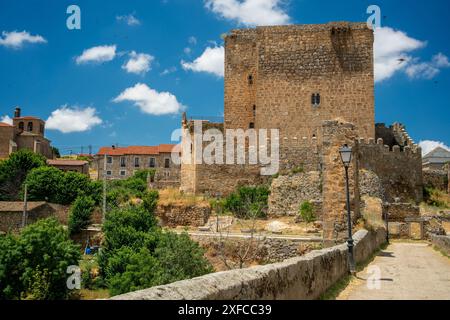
[[407, 271]]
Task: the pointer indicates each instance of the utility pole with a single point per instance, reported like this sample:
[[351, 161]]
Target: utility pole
[[25, 204], [104, 189]]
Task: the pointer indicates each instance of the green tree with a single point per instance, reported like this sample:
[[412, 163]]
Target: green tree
[[56, 152], [73, 185], [33, 264], [14, 170], [80, 214], [43, 184], [306, 211], [45, 245], [11, 268], [150, 200]]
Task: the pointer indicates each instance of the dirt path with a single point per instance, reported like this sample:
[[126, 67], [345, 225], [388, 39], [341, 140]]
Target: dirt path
[[407, 271]]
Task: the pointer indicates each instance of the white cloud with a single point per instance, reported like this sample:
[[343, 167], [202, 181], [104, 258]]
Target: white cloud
[[151, 101], [427, 70], [187, 50], [192, 40], [73, 119], [129, 19], [168, 71], [391, 51], [97, 54], [211, 61], [6, 119], [250, 12], [429, 145], [139, 63], [16, 39]]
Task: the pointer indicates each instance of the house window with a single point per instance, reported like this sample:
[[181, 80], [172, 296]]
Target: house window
[[109, 173], [136, 162], [109, 160], [21, 125], [251, 125], [30, 126], [152, 163], [167, 163], [250, 79], [123, 162], [123, 173], [315, 99], [41, 128]]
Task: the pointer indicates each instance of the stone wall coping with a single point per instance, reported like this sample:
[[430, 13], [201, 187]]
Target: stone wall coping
[[293, 278]]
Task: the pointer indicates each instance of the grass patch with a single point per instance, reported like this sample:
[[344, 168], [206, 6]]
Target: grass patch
[[172, 196], [335, 290], [441, 251]]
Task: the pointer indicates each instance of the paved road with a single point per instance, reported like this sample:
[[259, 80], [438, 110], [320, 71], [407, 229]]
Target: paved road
[[408, 271]]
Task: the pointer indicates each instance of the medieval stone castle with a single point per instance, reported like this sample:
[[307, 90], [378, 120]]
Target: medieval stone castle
[[315, 84]]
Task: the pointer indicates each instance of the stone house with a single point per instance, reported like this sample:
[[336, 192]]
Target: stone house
[[123, 162], [24, 133], [436, 159], [11, 213], [80, 166]]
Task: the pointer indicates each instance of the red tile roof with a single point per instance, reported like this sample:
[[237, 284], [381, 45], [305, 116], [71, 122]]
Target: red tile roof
[[138, 150], [66, 162], [27, 118]]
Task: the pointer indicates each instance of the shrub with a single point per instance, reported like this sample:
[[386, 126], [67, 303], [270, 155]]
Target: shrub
[[137, 254], [306, 211], [80, 214], [437, 198], [248, 202], [33, 265], [14, 170]]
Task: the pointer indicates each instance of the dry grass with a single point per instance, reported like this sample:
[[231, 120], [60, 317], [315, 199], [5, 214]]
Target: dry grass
[[85, 294], [172, 196]]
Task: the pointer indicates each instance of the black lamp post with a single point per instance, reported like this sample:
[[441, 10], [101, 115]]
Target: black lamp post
[[346, 157]]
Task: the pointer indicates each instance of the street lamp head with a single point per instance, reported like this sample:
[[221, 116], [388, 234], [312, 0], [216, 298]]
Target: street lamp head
[[346, 155]]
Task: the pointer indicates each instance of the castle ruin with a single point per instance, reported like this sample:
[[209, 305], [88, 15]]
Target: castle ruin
[[315, 85]]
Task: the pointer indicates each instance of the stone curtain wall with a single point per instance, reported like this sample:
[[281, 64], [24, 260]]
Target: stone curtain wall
[[400, 171], [173, 215], [289, 191], [306, 277], [290, 63]]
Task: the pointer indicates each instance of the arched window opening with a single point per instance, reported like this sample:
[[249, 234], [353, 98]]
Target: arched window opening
[[30, 126]]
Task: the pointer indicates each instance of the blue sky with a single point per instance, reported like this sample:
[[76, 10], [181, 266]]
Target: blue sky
[[149, 60]]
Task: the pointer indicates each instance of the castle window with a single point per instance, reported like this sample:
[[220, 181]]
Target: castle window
[[251, 125], [21, 125], [250, 79], [315, 99], [30, 126], [41, 128]]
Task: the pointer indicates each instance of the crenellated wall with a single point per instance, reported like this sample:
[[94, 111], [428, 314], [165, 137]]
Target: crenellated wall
[[399, 169]]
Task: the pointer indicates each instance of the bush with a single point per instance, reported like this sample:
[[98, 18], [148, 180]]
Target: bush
[[53, 185], [437, 198], [306, 212], [249, 202], [14, 170], [80, 214], [33, 265], [137, 254]]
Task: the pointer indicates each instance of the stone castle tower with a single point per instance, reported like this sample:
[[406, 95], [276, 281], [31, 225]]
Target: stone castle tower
[[294, 77]]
